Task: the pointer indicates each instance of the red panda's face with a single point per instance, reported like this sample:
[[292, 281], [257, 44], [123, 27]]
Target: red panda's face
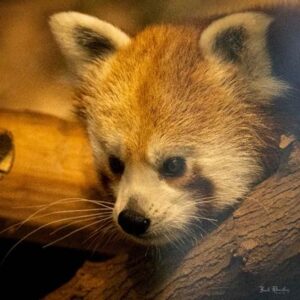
[[176, 117]]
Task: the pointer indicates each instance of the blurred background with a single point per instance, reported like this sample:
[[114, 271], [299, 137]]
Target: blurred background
[[33, 75]]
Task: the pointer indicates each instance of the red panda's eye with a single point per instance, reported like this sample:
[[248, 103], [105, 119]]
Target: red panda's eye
[[173, 167], [116, 165]]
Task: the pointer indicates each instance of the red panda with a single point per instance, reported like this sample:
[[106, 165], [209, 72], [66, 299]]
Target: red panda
[[182, 118]]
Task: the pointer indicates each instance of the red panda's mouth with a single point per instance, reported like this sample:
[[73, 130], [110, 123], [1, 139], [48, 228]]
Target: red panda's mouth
[[149, 239]]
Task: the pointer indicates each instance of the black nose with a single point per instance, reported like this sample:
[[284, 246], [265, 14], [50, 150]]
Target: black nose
[[133, 222]]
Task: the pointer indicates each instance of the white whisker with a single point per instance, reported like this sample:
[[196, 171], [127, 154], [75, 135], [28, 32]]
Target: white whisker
[[39, 228], [96, 231], [71, 233], [73, 223], [66, 200]]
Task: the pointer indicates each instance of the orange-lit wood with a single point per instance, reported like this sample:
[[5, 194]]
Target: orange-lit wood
[[53, 161]]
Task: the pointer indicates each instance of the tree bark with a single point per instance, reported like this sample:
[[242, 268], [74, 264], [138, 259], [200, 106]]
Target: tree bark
[[253, 254]]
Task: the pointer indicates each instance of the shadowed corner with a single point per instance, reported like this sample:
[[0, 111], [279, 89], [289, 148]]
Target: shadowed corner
[[7, 152]]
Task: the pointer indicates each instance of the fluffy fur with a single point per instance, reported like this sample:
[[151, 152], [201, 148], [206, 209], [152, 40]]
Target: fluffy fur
[[178, 91]]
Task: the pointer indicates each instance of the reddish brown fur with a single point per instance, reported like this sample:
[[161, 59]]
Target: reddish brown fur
[[200, 93], [161, 85]]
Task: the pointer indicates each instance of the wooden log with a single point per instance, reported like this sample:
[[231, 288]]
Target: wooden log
[[53, 161], [253, 254]]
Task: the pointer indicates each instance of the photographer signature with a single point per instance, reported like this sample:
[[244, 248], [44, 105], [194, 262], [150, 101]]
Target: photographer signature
[[274, 289]]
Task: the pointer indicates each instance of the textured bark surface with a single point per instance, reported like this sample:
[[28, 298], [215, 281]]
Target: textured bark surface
[[253, 254]]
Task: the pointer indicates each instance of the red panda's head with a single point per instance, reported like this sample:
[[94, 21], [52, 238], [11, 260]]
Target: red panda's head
[[178, 116]]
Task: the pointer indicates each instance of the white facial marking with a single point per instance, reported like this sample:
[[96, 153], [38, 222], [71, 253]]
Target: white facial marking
[[167, 208]]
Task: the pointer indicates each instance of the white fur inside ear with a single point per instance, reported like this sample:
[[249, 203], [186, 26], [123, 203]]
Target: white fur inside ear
[[64, 25], [252, 60], [255, 25]]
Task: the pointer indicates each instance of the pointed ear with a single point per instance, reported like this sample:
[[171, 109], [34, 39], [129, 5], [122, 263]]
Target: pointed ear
[[83, 38], [239, 39]]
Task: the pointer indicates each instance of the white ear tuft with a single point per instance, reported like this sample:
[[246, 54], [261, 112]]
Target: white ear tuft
[[83, 38], [237, 38], [241, 40]]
